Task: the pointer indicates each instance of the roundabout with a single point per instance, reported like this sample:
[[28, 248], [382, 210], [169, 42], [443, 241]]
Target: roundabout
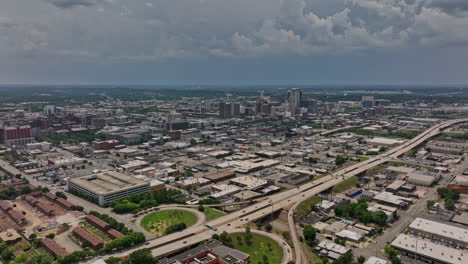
[[169, 220]]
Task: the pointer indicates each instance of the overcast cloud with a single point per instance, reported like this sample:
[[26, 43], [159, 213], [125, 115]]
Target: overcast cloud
[[157, 41]]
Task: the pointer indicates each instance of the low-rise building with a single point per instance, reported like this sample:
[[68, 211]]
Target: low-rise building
[[294, 178], [375, 260], [97, 222], [387, 198], [53, 248], [249, 182], [108, 186], [211, 252], [421, 179], [64, 203], [114, 233], [80, 233], [17, 217], [331, 249], [447, 234], [427, 251], [220, 176]]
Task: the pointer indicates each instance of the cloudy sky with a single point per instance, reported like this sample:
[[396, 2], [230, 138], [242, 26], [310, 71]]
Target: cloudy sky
[[233, 41]]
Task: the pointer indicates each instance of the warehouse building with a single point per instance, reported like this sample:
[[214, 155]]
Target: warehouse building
[[447, 234], [421, 179], [427, 251], [294, 178], [249, 182], [106, 187], [220, 176]]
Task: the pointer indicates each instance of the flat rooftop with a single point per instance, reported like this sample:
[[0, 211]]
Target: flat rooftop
[[108, 182], [440, 229], [429, 249]]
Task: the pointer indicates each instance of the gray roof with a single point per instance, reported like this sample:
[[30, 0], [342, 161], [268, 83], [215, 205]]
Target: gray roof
[[108, 182]]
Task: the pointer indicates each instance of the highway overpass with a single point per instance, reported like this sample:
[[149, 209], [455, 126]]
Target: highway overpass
[[190, 236]]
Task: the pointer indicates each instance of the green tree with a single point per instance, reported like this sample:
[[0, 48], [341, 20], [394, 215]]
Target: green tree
[[25, 190], [361, 259], [7, 254], [309, 234], [430, 203], [449, 204], [339, 160], [141, 256], [380, 218], [201, 208]]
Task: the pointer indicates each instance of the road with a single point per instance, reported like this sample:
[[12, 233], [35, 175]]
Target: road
[[193, 235], [365, 165], [190, 236]]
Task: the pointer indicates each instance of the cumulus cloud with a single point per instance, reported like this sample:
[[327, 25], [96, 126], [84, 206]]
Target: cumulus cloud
[[168, 29], [450, 6], [73, 3]]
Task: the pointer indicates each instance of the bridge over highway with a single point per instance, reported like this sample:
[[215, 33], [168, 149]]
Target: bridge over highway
[[165, 245]]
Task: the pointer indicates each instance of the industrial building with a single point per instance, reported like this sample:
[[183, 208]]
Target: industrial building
[[108, 186], [447, 234], [249, 182], [220, 176], [294, 179], [427, 251], [421, 179]]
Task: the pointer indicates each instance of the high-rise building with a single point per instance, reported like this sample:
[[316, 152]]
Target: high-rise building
[[18, 136], [311, 105], [368, 101], [294, 99], [263, 107], [229, 110]]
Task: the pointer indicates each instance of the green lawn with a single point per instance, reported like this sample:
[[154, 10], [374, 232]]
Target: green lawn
[[304, 208], [258, 248], [212, 213], [157, 222], [96, 232], [346, 184]]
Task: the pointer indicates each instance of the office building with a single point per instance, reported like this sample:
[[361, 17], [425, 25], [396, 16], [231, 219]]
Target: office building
[[229, 110], [368, 101], [294, 99], [106, 187], [17, 136]]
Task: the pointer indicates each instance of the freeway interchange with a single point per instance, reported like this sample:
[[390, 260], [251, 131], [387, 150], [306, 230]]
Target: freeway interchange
[[292, 197]]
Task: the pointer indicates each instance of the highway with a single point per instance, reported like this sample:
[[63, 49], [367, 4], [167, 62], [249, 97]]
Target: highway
[[190, 236]]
